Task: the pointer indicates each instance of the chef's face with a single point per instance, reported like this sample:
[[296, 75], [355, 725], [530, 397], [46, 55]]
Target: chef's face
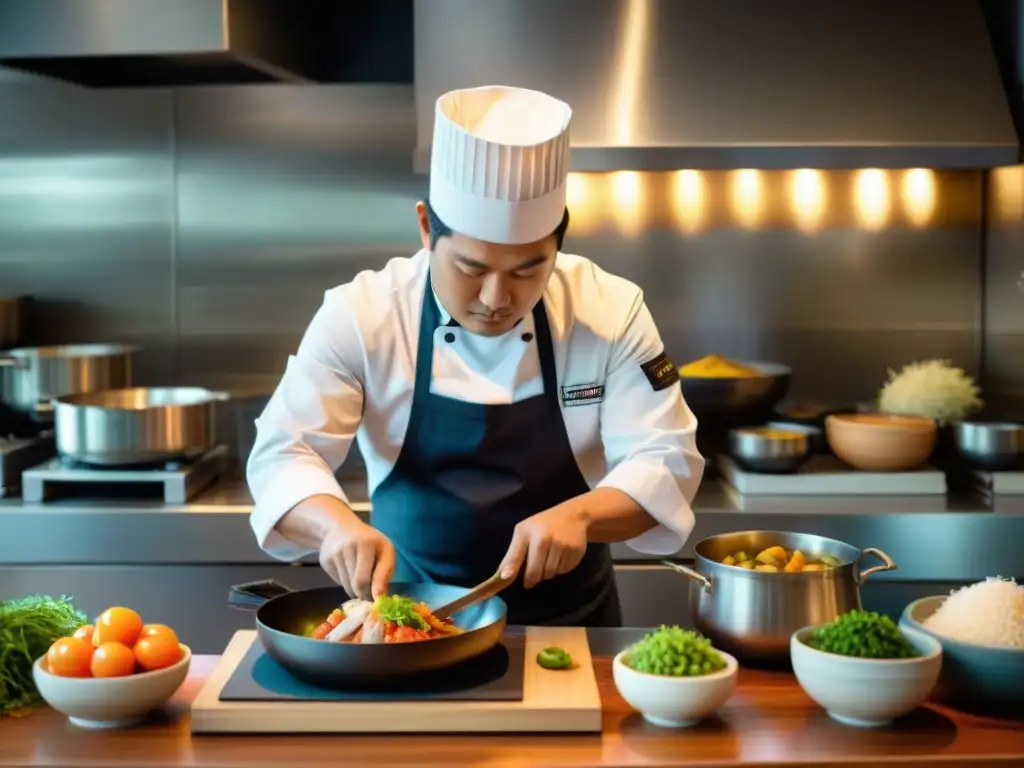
[[487, 287]]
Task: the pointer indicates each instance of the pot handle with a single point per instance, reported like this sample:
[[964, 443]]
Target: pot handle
[[700, 578], [10, 361], [890, 565], [250, 596]]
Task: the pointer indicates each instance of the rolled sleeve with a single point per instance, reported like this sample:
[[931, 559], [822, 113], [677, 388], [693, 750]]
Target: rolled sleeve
[[307, 427], [649, 434]]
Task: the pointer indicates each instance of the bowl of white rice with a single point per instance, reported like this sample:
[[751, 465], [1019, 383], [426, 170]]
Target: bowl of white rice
[[981, 629]]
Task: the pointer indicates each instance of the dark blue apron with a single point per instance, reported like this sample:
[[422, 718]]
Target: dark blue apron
[[468, 473]]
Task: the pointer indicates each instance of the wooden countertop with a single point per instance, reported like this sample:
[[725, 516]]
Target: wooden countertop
[[768, 721]]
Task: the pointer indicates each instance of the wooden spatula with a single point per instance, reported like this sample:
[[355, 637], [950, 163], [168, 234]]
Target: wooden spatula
[[480, 592]]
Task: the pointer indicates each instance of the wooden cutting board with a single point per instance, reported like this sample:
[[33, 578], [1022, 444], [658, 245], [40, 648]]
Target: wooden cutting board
[[554, 701]]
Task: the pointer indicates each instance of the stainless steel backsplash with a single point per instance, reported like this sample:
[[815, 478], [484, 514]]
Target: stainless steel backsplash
[[205, 224], [1004, 287]]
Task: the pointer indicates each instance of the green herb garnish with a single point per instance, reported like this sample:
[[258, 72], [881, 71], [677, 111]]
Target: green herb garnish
[[554, 658], [864, 634], [28, 627], [675, 652], [401, 611]]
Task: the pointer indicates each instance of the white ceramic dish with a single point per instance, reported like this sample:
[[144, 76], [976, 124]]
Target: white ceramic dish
[[867, 693], [674, 702], [110, 702]]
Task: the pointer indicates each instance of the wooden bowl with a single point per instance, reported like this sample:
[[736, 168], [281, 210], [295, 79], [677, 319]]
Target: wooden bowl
[[879, 442]]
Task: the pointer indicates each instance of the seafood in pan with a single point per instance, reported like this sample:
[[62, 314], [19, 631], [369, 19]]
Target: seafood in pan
[[388, 619]]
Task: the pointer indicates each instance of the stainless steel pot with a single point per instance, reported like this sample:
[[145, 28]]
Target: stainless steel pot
[[136, 426], [990, 445], [10, 321], [30, 377], [753, 614]]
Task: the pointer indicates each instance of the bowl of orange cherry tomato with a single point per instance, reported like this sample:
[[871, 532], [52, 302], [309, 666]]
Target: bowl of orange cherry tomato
[[112, 673]]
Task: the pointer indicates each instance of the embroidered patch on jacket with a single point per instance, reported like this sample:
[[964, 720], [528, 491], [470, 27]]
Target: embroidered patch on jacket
[[584, 394], [661, 372]]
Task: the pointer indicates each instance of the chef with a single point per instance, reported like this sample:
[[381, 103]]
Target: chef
[[514, 405]]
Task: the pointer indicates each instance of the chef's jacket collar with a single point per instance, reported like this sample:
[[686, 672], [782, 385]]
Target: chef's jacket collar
[[446, 318]]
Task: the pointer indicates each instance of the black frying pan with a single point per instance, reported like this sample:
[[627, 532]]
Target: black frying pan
[[284, 616]]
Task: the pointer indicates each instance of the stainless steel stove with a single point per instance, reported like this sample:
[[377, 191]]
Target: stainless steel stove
[[176, 482], [24, 443]]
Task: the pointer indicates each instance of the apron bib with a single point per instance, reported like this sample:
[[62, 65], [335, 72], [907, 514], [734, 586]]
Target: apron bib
[[468, 473]]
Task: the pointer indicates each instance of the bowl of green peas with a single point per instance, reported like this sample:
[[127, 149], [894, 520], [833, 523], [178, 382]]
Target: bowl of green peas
[[863, 669], [674, 677]]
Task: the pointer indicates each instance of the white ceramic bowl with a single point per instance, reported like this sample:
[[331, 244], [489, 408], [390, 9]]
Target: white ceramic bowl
[[110, 702], [866, 693], [674, 702]]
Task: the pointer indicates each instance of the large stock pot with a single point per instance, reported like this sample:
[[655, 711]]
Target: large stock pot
[[30, 377], [753, 614]]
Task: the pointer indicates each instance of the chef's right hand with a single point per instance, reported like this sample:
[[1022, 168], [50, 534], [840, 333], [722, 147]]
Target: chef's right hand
[[359, 557]]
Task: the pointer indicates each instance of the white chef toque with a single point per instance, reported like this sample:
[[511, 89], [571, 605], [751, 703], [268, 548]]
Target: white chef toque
[[499, 163]]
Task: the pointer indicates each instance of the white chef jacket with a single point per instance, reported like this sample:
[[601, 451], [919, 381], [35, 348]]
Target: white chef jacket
[[352, 379]]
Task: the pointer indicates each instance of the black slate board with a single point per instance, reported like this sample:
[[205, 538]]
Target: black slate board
[[495, 676]]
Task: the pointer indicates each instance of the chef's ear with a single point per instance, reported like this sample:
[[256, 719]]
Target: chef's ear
[[424, 222]]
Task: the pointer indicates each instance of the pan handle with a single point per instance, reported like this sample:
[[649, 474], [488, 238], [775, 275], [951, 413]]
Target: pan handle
[[250, 596], [12, 361]]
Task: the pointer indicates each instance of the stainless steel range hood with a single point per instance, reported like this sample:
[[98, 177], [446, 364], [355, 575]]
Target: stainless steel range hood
[[117, 43], [667, 84]]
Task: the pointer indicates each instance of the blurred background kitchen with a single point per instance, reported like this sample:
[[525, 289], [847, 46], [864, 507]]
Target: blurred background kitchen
[[842, 219]]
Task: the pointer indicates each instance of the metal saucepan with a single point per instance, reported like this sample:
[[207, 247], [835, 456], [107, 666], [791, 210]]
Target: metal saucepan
[[283, 620], [992, 445], [10, 321], [771, 448], [753, 614], [30, 377], [118, 427]]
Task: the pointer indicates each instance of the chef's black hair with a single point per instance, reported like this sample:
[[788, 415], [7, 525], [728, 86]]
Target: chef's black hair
[[439, 229]]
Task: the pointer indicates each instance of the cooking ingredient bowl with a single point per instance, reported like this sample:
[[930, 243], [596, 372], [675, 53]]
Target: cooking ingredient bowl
[[974, 677], [879, 442], [752, 614], [863, 692], [770, 448], [990, 445], [674, 702], [110, 702], [737, 400]]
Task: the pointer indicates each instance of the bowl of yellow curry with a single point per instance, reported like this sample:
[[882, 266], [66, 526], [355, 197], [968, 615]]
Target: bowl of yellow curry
[[722, 390]]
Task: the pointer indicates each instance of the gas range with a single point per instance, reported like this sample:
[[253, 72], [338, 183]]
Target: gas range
[[24, 443]]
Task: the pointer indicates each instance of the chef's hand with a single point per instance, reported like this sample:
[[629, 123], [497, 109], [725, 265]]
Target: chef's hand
[[550, 543], [359, 557]]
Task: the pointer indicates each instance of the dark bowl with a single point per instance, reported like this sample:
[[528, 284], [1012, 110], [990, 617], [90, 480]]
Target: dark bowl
[[738, 401]]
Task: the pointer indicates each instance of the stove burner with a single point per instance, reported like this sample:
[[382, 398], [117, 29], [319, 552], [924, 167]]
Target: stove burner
[[176, 482], [174, 465], [16, 424], [18, 454]]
